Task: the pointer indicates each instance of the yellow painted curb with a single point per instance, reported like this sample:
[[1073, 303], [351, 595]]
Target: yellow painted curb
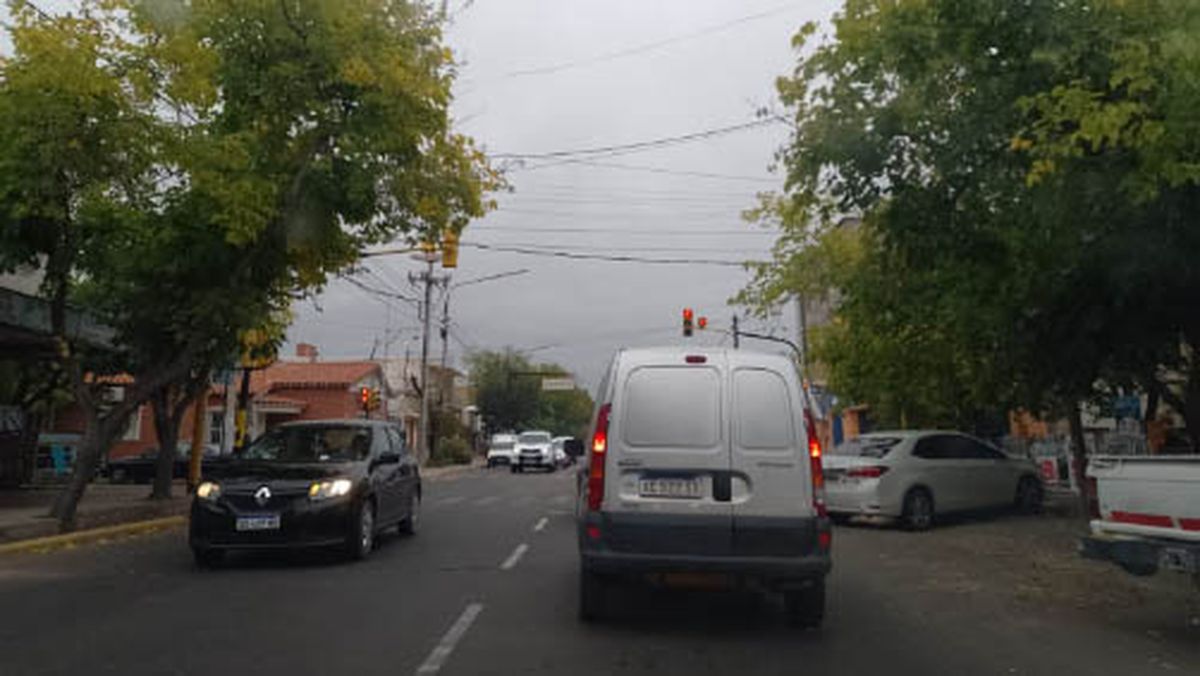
[[92, 534]]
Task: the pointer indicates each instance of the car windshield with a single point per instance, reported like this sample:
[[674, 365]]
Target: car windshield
[[866, 447], [311, 443], [502, 444], [534, 438]]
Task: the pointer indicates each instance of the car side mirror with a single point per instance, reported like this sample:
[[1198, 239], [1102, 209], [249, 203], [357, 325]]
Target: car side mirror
[[573, 447]]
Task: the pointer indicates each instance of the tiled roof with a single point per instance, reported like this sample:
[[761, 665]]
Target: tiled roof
[[321, 374]]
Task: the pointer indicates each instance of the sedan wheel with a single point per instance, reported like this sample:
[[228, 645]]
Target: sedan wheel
[[918, 510], [362, 536], [1029, 496]]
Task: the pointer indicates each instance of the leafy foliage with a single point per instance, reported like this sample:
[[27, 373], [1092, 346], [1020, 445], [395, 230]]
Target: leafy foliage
[[509, 395], [1025, 174]]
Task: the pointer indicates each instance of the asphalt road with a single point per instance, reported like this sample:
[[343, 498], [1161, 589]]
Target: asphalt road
[[488, 586]]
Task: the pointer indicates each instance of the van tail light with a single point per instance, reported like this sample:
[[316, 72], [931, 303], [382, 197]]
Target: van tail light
[[595, 485], [872, 472], [814, 463]]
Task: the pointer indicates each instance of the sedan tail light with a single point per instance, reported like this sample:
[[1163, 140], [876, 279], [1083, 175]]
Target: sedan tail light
[[595, 484], [872, 472]]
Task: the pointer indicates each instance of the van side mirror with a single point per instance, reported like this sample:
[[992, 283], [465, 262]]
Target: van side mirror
[[573, 448]]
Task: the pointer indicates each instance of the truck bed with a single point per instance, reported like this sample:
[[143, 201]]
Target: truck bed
[[1152, 496]]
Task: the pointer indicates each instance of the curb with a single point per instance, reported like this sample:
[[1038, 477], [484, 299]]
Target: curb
[[91, 535]]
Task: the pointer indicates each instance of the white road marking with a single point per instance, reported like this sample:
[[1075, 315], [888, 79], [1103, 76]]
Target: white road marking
[[441, 652], [451, 501], [513, 558], [540, 524], [484, 502]]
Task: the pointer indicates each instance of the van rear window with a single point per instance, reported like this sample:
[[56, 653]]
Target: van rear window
[[667, 406]]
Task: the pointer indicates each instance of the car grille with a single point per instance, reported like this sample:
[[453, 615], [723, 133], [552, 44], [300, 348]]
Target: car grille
[[245, 502]]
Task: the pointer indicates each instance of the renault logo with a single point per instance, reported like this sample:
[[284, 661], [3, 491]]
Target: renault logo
[[262, 496]]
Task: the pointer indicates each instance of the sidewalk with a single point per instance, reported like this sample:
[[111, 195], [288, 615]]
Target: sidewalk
[[23, 511]]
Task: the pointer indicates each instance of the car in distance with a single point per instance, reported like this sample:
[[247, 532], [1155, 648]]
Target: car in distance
[[141, 468], [561, 457], [703, 463], [535, 449], [309, 484], [915, 475], [502, 450]]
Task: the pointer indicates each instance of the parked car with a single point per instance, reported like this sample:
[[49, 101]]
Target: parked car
[[1149, 513], [502, 450], [561, 458], [142, 467], [309, 484], [703, 463], [535, 449], [916, 475]]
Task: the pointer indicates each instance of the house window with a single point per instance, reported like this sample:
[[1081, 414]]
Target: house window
[[216, 428], [133, 429]]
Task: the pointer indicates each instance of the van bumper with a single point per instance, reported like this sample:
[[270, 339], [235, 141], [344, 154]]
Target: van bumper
[[775, 551]]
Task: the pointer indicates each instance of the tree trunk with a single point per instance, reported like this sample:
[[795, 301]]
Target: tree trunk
[[98, 435], [1080, 459], [166, 428]]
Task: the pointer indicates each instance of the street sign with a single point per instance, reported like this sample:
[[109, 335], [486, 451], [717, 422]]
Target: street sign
[[557, 384]]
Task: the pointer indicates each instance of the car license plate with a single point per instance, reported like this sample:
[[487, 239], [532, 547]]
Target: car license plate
[[1182, 560], [259, 522], [669, 487]]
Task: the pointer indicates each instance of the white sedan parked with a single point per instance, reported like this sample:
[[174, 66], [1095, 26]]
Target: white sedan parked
[[914, 475]]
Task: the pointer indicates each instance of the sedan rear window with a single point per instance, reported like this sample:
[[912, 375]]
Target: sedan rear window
[[535, 438], [311, 443], [866, 447]]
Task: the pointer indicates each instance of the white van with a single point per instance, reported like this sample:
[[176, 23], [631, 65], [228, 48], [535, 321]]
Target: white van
[[704, 461]]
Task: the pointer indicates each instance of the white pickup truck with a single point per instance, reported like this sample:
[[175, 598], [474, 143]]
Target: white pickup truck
[[1149, 513]]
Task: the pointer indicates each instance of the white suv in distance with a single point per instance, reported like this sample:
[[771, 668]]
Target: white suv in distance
[[704, 463], [534, 449], [502, 450], [914, 475]]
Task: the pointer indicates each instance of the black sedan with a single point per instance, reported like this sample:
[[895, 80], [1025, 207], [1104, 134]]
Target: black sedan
[[333, 483], [142, 467]]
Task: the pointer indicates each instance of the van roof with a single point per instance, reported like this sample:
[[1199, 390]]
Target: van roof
[[674, 353]]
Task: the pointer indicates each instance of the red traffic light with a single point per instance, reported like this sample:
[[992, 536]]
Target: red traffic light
[[687, 314], [702, 323], [364, 395]]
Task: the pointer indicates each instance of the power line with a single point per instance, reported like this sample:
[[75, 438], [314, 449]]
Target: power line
[[632, 231], [649, 46], [656, 170], [640, 145], [586, 248], [602, 257], [723, 215]]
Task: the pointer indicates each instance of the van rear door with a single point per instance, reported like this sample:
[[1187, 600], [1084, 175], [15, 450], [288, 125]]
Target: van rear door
[[773, 513], [669, 459]]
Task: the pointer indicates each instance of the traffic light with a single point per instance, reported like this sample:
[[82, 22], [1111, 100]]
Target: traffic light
[[450, 249], [364, 398], [702, 323], [373, 401], [687, 322]]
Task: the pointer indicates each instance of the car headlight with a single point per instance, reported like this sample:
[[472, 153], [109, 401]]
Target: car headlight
[[208, 491], [323, 490]]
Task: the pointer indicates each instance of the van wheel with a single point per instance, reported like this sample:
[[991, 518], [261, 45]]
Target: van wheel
[[918, 510], [593, 596], [806, 607], [1029, 495]]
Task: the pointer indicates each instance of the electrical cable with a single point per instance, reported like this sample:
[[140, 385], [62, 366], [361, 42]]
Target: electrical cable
[[599, 257], [639, 145]]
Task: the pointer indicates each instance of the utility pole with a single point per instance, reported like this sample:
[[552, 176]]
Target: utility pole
[[802, 332], [736, 342], [445, 330], [429, 280]]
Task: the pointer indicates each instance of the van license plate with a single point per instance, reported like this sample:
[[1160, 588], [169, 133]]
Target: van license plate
[[263, 522], [666, 487]]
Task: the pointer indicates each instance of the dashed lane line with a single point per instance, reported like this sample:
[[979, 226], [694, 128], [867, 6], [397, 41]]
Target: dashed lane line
[[537, 528], [445, 647], [515, 557]]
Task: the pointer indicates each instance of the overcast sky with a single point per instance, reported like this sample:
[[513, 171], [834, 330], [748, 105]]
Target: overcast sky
[[542, 76]]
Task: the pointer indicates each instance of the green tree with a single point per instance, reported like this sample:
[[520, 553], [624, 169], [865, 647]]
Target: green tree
[[190, 167], [1027, 190], [507, 395]]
